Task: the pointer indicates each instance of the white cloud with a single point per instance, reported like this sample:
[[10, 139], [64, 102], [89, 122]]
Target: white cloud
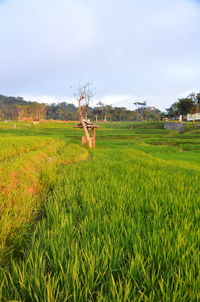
[[49, 99], [114, 99]]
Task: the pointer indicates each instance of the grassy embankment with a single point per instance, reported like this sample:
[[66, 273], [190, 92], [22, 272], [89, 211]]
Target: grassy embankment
[[122, 226], [27, 170]]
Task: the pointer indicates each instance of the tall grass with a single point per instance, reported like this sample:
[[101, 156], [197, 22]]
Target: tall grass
[[122, 226], [14, 146], [134, 125], [27, 172]]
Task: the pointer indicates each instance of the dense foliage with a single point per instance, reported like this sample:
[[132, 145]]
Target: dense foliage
[[190, 104], [16, 108]]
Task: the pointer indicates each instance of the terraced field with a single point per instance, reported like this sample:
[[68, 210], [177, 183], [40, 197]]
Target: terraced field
[[122, 225], [25, 163]]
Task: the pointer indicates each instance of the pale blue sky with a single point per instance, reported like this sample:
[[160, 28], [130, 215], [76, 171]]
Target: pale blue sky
[[131, 50]]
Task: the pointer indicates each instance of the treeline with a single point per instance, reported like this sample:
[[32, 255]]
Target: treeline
[[16, 108], [183, 106]]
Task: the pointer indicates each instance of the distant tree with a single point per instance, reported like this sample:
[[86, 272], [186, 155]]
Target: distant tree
[[172, 111], [141, 108], [108, 112], [84, 95], [21, 109], [119, 113], [140, 104], [103, 111], [62, 111], [151, 114], [196, 107], [182, 106], [185, 105], [98, 111], [198, 98]]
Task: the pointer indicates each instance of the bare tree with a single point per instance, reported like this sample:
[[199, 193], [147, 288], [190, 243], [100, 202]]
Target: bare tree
[[84, 95]]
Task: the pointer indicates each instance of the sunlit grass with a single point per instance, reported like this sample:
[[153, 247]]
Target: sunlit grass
[[27, 169], [120, 226]]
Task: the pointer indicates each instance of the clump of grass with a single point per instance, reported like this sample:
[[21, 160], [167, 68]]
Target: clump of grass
[[14, 146], [72, 153]]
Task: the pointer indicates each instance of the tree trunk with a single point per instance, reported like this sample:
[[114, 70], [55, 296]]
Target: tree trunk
[[89, 141], [88, 138]]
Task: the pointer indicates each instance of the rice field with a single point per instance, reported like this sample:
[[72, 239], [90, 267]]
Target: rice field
[[27, 169], [117, 223]]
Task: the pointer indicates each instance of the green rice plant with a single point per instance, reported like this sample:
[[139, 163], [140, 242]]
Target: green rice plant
[[120, 226], [14, 146], [27, 175], [124, 230], [72, 153], [134, 125]]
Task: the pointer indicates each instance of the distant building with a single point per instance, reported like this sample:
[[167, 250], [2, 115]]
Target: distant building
[[193, 117]]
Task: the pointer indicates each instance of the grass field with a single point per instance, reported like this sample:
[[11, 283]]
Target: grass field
[[117, 223]]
